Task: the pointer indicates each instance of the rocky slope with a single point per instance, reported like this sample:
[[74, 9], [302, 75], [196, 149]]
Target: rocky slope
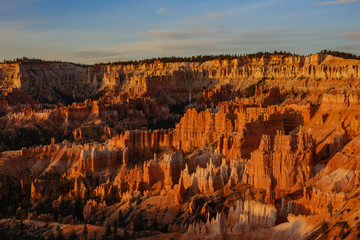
[[250, 148], [53, 81]]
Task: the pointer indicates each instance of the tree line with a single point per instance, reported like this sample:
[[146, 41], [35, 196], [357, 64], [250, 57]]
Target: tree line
[[340, 54], [38, 60], [198, 58], [204, 58]]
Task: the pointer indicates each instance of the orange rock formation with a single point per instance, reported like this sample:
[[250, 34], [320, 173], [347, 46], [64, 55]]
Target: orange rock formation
[[249, 147]]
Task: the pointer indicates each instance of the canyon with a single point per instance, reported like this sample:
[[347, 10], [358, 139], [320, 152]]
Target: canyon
[[253, 147]]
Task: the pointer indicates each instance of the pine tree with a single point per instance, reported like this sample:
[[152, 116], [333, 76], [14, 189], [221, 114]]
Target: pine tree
[[108, 232], [73, 235], [85, 232], [2, 235], [115, 225], [50, 236], [330, 208], [121, 219], [126, 233], [59, 233]]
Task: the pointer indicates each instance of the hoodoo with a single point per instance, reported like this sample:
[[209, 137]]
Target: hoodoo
[[256, 147]]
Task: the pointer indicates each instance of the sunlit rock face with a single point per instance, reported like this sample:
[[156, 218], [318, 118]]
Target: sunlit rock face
[[251, 148], [54, 80], [282, 163]]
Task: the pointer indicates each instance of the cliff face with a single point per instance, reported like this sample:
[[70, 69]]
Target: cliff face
[[282, 163], [49, 81], [184, 77], [9, 76], [82, 122], [220, 149], [176, 81], [245, 217]]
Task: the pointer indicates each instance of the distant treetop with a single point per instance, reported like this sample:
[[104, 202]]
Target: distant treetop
[[198, 58], [37, 60], [341, 54], [204, 58]]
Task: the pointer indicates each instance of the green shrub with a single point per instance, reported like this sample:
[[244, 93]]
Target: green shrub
[[342, 224], [324, 227]]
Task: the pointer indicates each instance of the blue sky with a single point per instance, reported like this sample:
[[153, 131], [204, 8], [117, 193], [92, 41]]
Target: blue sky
[[90, 31]]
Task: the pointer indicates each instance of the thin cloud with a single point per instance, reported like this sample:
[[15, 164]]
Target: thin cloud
[[179, 34], [99, 54], [14, 4], [164, 11], [215, 15], [336, 2], [197, 41], [353, 48], [352, 36], [158, 48]]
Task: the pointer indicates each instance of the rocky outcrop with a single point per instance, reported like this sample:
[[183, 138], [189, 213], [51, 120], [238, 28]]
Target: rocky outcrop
[[10, 76], [250, 215], [92, 208], [80, 188], [57, 80], [313, 201], [262, 141], [179, 79], [208, 179], [38, 189], [282, 163], [216, 226], [235, 129], [94, 157], [247, 216], [167, 171]]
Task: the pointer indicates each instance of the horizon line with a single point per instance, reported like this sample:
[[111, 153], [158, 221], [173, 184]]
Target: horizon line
[[185, 58]]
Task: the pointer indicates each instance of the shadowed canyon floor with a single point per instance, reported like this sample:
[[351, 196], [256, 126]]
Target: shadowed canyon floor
[[262, 147]]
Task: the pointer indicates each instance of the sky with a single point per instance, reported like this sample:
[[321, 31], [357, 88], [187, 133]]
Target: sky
[[93, 31]]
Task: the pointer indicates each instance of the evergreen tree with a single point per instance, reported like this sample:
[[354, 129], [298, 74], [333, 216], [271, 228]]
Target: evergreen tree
[[154, 225], [50, 236], [121, 220], [73, 235], [324, 227], [115, 225], [2, 235], [85, 232], [330, 208], [59, 233], [134, 235], [126, 233], [108, 232]]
